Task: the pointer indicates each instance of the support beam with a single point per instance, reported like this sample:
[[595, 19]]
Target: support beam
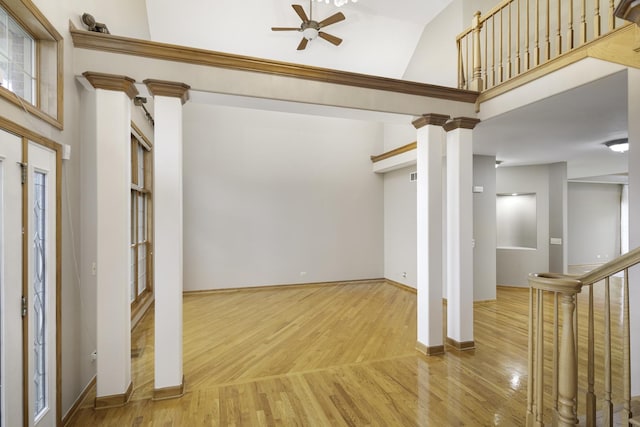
[[168, 240], [460, 233], [110, 147], [430, 140]]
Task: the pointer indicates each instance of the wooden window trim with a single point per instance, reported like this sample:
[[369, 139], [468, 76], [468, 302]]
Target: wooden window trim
[[146, 192], [36, 25]]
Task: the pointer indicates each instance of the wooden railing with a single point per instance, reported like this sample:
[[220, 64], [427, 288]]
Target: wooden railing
[[518, 35], [553, 389]]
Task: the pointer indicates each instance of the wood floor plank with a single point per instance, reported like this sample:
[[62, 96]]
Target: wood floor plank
[[334, 355]]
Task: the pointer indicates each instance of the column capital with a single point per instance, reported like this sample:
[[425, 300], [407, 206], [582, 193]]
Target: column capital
[[430, 119], [167, 88], [112, 82], [461, 123]]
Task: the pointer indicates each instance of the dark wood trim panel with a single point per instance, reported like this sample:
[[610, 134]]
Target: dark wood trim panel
[[434, 350], [461, 123], [169, 392], [430, 119], [461, 346], [168, 52], [395, 152], [166, 88], [112, 82]]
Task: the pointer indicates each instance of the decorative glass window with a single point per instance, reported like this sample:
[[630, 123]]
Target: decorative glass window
[[141, 260], [31, 52], [39, 295], [17, 58]]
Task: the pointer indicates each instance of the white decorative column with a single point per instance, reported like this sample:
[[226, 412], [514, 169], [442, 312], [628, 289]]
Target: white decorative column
[[430, 139], [460, 232], [111, 160], [167, 243], [633, 112]]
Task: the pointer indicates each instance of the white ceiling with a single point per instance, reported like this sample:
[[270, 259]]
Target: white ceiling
[[379, 36], [570, 126]]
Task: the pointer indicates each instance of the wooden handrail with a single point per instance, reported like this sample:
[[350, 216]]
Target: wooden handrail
[[612, 267], [564, 397]]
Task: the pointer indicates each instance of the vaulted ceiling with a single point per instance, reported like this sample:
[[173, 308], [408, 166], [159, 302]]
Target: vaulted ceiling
[[380, 36]]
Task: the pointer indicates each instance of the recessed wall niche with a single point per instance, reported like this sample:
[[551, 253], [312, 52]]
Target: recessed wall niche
[[517, 221]]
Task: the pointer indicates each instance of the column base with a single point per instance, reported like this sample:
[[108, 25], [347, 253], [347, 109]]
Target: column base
[[173, 392], [461, 346], [433, 350], [114, 400]]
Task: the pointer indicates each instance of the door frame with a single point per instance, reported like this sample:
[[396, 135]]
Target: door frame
[[29, 135]]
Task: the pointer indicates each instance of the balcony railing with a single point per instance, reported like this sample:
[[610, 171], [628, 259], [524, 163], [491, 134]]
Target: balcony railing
[[519, 35]]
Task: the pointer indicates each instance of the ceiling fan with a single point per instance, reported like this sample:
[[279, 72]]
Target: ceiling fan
[[311, 29]]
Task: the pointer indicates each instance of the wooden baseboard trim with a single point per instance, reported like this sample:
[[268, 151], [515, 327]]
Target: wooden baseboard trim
[[115, 400], [461, 346], [401, 286], [285, 286], [173, 392], [484, 302], [76, 405], [433, 350]]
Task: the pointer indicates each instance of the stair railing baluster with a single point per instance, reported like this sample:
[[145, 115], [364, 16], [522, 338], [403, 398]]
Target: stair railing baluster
[[608, 405], [626, 346], [590, 397]]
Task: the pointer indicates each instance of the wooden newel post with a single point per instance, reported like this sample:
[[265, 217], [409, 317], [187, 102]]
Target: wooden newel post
[[476, 81], [568, 381]]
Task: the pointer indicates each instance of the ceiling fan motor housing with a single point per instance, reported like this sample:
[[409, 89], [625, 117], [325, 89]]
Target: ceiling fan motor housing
[[310, 30]]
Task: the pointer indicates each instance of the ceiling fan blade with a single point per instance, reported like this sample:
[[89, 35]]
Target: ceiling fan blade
[[285, 28], [331, 39], [300, 11], [337, 17], [303, 44]]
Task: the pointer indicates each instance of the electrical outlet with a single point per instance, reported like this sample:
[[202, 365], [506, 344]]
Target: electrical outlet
[[404, 274], [94, 356]]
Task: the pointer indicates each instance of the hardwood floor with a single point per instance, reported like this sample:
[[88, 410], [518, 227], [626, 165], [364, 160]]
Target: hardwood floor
[[334, 355]]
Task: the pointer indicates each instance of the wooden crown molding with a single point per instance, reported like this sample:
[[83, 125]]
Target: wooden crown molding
[[395, 152], [149, 49], [430, 119], [112, 82], [461, 123], [167, 88]]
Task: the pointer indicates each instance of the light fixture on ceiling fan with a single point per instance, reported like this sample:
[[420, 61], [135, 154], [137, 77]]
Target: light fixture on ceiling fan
[[338, 3]]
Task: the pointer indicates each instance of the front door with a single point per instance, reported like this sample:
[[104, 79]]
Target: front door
[[27, 283]]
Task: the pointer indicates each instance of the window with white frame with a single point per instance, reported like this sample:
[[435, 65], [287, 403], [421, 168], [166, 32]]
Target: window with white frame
[[141, 221]]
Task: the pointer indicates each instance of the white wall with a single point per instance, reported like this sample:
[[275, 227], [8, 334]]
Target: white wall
[[594, 222], [484, 228], [435, 59], [514, 265], [279, 198], [400, 228], [400, 239]]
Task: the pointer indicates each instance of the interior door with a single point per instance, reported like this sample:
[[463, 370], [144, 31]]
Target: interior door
[[11, 362], [27, 295]]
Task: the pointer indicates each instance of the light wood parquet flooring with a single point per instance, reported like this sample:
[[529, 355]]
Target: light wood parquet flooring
[[332, 355]]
